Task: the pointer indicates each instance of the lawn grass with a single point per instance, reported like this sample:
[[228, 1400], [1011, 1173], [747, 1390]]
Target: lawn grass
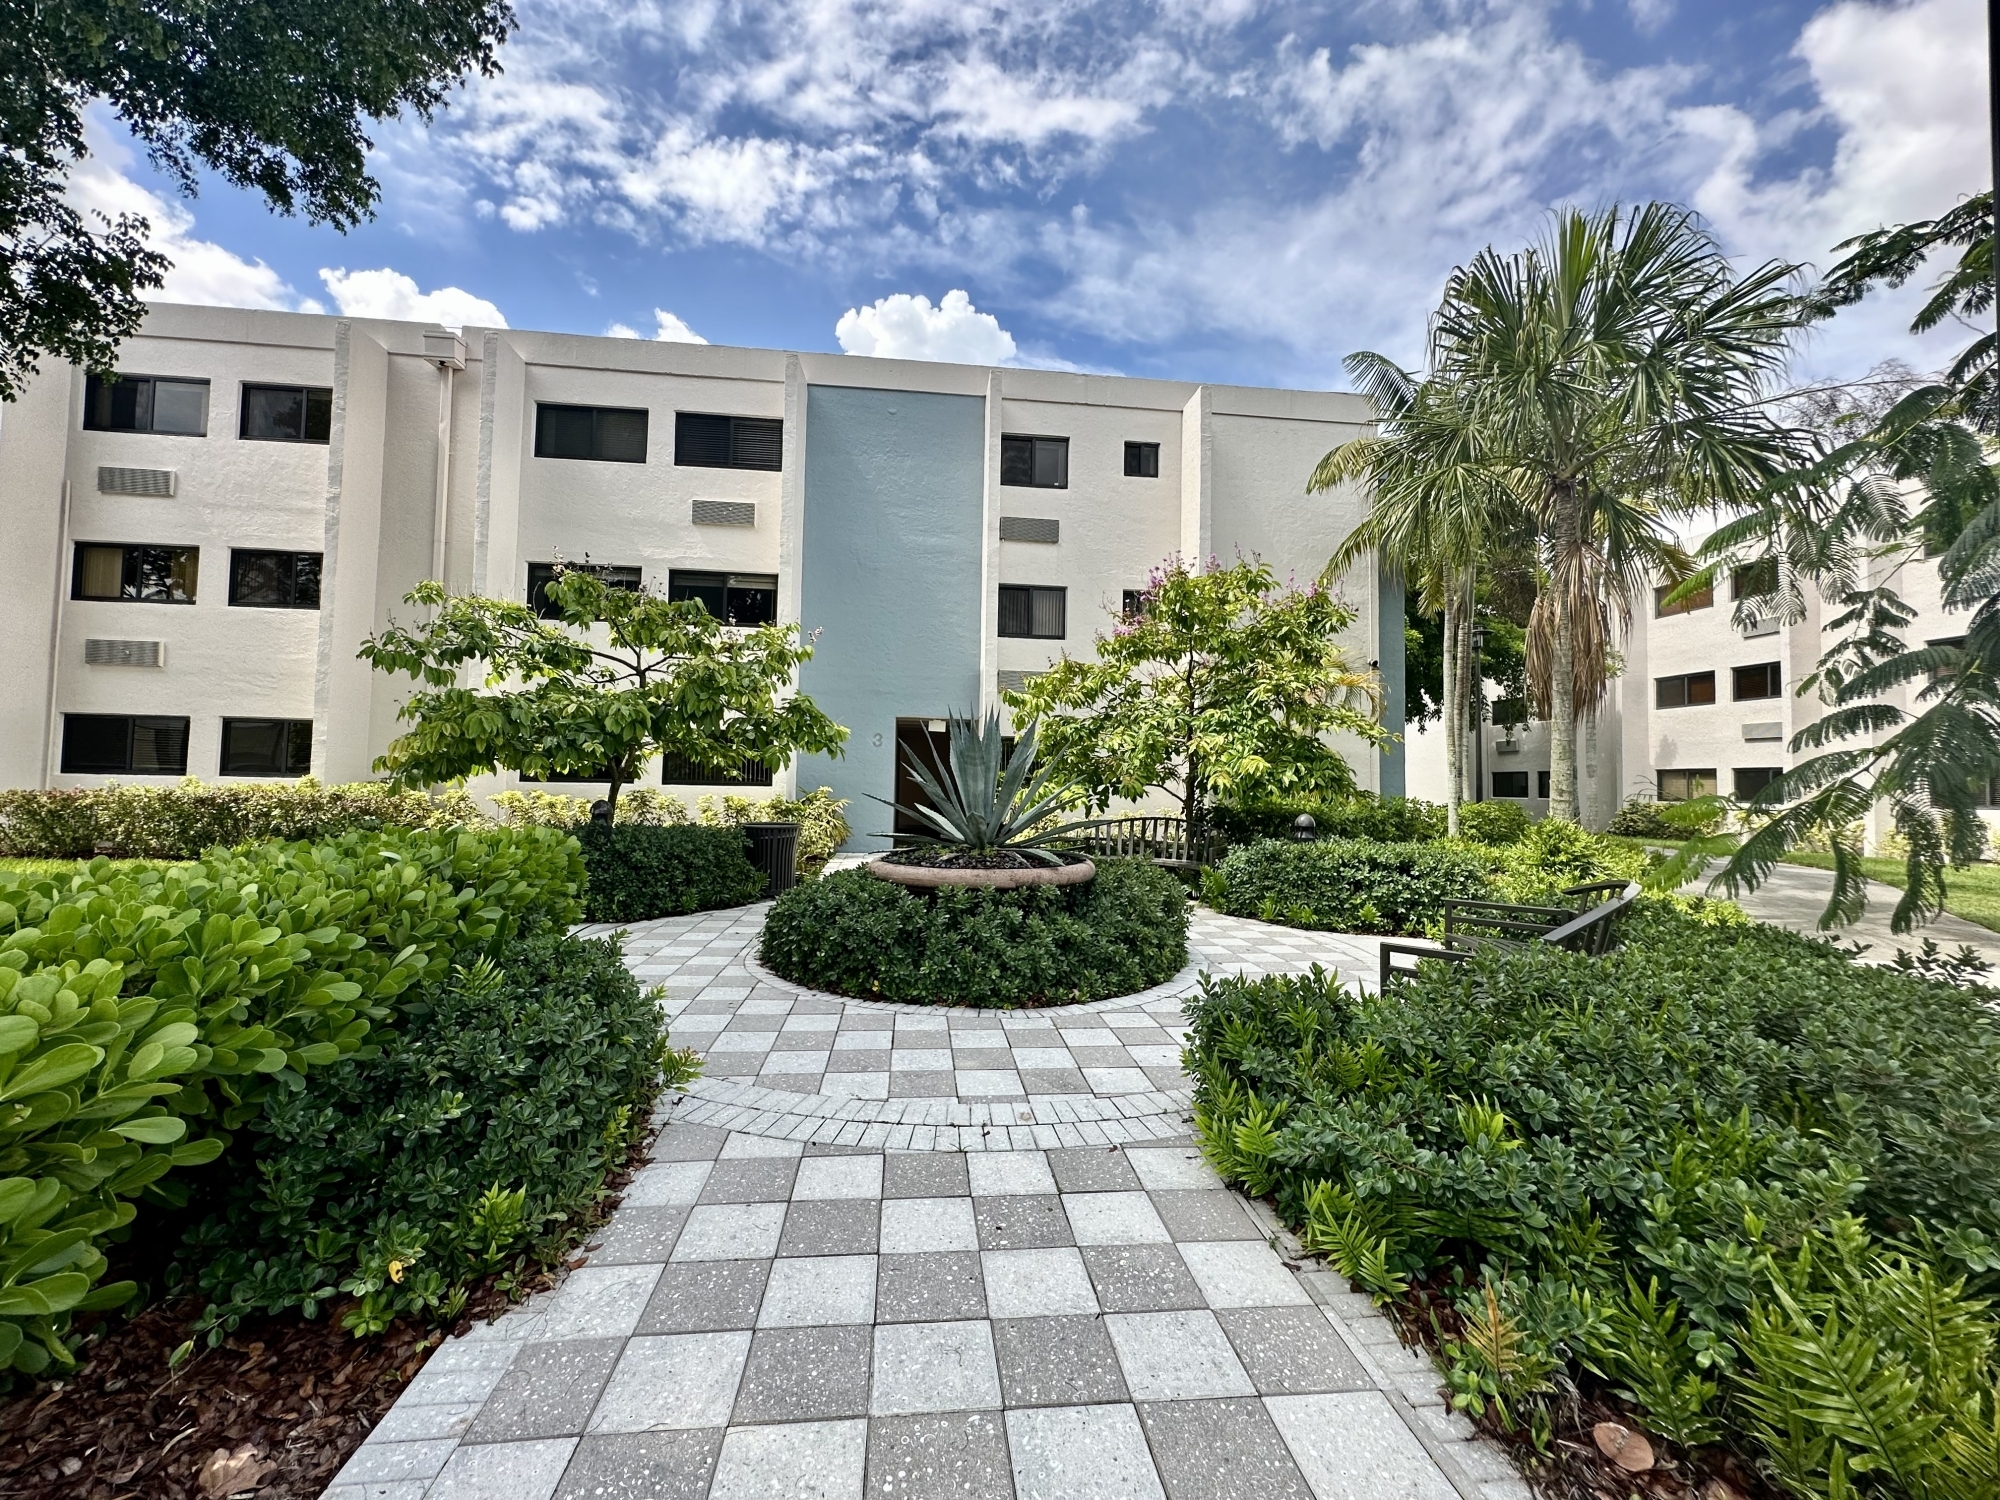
[[40, 867]]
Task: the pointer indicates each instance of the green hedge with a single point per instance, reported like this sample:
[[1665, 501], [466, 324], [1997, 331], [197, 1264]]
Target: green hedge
[[822, 823], [1349, 885], [1553, 856], [1492, 822], [487, 1123], [1362, 816], [145, 1014], [1753, 1185], [638, 872], [856, 935], [179, 822]]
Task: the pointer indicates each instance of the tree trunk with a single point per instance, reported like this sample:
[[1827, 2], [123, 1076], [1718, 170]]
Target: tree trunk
[[1562, 717], [616, 777], [1454, 712]]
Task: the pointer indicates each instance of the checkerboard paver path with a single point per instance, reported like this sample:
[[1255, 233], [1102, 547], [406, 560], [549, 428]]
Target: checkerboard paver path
[[896, 1253]]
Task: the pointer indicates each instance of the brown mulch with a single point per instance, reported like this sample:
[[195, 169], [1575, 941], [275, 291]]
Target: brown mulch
[[273, 1412]]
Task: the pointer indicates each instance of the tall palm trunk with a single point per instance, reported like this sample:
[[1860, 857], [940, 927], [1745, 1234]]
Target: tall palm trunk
[[1454, 717], [1568, 567]]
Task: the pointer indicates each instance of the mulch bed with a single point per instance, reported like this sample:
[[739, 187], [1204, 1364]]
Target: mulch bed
[[273, 1412]]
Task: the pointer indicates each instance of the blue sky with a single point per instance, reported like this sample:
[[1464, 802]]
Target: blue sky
[[1236, 190]]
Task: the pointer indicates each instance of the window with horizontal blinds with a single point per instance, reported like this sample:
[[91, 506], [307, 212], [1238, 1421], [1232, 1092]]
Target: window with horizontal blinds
[[266, 747], [603, 434], [1684, 690], [1033, 613], [124, 745], [1685, 786], [135, 574], [1764, 680], [713, 440]]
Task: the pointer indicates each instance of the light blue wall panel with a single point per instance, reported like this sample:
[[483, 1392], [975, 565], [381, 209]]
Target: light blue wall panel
[[890, 576]]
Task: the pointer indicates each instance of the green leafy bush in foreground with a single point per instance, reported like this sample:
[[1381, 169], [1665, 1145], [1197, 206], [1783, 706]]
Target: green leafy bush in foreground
[[1753, 1185], [145, 1014], [819, 814], [638, 872], [486, 1121], [856, 935], [1349, 885]]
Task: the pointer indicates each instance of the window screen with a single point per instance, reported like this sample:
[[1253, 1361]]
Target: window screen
[[733, 598], [1765, 680], [267, 747], [1040, 463], [605, 434], [1750, 780], [286, 414], [1686, 690], [710, 440], [124, 745], [146, 403], [135, 574], [541, 575], [1142, 460], [273, 580], [1685, 786], [1034, 613], [1510, 784], [679, 770]]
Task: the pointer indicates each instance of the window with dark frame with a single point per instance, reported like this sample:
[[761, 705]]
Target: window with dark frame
[[1132, 604], [164, 404], [1142, 460], [602, 434], [1040, 463], [1685, 786], [541, 575], [710, 440], [679, 770], [1699, 599], [135, 574], [286, 414], [267, 747], [273, 580], [1764, 680], [124, 745], [1032, 613], [1512, 784], [1542, 785], [1750, 780], [733, 598], [1754, 580], [1684, 690]]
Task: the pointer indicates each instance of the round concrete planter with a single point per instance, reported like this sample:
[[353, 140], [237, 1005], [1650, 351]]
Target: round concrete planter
[[932, 877]]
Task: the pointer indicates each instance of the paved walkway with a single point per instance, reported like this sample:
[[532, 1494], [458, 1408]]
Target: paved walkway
[[1794, 896], [886, 1251]]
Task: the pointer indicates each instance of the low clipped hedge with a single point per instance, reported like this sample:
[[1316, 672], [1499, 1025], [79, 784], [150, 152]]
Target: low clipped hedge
[[1493, 822], [819, 814], [850, 933], [147, 1014], [1362, 816], [640, 871], [482, 1130], [1747, 1183], [1349, 885]]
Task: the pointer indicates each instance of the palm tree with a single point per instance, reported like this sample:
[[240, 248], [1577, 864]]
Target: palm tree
[[1437, 513], [1613, 375]]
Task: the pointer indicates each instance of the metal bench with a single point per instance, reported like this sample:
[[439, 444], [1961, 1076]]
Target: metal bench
[[1472, 925], [1163, 840]]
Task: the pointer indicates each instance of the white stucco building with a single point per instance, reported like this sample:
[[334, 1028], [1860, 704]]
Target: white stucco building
[[194, 551]]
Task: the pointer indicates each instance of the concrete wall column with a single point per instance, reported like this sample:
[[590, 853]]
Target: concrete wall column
[[342, 686]]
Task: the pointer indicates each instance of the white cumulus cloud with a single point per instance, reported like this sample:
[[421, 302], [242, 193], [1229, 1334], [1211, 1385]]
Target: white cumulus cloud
[[386, 293], [671, 329], [903, 326]]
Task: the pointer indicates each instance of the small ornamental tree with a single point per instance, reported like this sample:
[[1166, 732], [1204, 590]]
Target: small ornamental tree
[[1220, 684], [562, 701]]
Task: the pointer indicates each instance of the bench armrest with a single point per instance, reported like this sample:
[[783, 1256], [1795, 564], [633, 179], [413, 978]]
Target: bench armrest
[[1390, 969]]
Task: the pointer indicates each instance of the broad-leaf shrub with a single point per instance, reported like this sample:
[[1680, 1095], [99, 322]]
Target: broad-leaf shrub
[[1364, 815], [179, 822], [1733, 1171], [822, 827], [1552, 856], [638, 871], [851, 933], [147, 1013], [487, 1121], [1350, 885], [1492, 822]]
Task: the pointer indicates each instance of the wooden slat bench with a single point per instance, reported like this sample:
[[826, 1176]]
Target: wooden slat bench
[[1471, 925], [1163, 840]]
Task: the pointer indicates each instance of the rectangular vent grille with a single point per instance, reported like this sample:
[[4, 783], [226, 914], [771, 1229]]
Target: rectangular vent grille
[[103, 653], [1013, 682], [120, 481], [1763, 625], [1506, 747], [725, 513], [1768, 729], [1029, 529]]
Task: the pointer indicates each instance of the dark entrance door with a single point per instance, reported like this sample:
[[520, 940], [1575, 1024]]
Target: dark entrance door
[[925, 742]]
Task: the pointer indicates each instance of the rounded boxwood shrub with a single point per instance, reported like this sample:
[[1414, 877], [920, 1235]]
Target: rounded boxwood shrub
[[1364, 815], [855, 935], [640, 871], [1492, 822], [1349, 885]]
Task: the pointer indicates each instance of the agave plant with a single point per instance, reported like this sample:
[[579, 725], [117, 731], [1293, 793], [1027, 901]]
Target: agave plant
[[986, 801]]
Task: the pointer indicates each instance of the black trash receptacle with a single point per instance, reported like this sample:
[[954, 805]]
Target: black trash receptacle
[[774, 849]]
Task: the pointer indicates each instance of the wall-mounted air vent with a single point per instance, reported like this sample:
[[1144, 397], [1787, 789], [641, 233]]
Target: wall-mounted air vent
[[1029, 529], [1013, 682], [1760, 625], [1765, 729], [113, 480], [1506, 747], [103, 653], [725, 513]]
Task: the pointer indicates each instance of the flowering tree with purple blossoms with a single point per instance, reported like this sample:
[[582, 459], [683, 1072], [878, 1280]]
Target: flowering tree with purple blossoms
[[1221, 684]]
